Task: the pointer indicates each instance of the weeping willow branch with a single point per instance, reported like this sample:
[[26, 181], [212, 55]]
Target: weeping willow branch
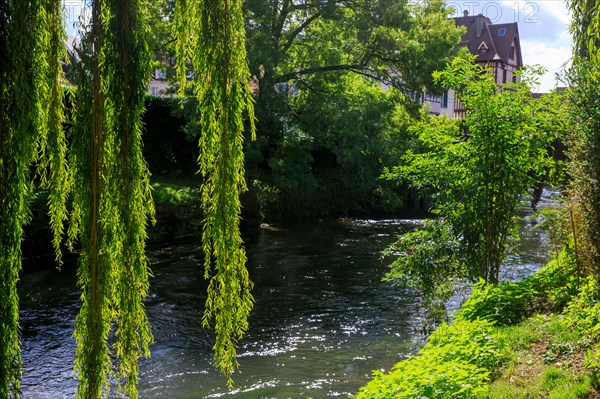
[[52, 166], [112, 199], [212, 33], [28, 54], [133, 203]]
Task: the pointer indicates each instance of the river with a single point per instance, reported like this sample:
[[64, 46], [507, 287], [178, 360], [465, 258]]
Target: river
[[323, 319]]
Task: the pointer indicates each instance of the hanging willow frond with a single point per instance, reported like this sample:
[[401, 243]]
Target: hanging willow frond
[[112, 199], [214, 32], [52, 149], [129, 65], [24, 66]]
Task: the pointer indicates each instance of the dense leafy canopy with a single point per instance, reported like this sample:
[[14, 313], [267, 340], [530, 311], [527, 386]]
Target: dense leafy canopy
[[397, 43], [305, 53]]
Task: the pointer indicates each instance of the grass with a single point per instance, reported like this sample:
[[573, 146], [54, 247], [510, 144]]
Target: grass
[[545, 362]]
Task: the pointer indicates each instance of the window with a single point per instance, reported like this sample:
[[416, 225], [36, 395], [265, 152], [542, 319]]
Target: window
[[502, 32], [160, 73], [431, 98], [482, 47], [512, 53], [445, 99], [154, 91], [504, 76]]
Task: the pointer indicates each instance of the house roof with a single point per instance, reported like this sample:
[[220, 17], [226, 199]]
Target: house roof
[[490, 42]]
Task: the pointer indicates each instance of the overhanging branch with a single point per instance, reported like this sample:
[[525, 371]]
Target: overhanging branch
[[313, 70]]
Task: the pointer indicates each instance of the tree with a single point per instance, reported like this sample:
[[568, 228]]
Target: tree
[[477, 172], [329, 160], [292, 45], [111, 200], [584, 149], [390, 41]]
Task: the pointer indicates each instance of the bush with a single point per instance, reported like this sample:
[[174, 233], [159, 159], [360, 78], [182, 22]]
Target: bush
[[504, 304], [507, 303], [558, 282], [455, 363]]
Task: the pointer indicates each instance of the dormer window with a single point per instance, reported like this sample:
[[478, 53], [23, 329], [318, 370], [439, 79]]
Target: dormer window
[[482, 47]]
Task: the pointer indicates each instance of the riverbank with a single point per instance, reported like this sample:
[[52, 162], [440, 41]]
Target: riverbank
[[177, 201], [537, 338], [178, 215]]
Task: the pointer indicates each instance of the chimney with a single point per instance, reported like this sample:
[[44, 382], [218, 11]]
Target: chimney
[[479, 25], [465, 13]]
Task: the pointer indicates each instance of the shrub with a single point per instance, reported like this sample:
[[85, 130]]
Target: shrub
[[504, 304], [455, 363], [558, 282]]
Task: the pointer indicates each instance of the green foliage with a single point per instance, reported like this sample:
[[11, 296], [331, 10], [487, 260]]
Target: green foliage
[[455, 363], [476, 173], [584, 168], [111, 199], [327, 163], [51, 158], [585, 28], [311, 60], [291, 40], [485, 340], [426, 260], [211, 36], [508, 303], [504, 304], [584, 100], [31, 113], [492, 167], [555, 284], [583, 313]]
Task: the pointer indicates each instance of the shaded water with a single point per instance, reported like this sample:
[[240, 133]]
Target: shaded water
[[322, 319]]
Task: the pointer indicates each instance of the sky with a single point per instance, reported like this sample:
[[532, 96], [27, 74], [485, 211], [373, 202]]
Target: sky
[[543, 29]]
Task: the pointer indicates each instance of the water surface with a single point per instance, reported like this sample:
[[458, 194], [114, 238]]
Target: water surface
[[323, 320]]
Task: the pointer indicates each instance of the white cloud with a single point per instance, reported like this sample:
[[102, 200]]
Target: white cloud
[[552, 57], [558, 9]]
